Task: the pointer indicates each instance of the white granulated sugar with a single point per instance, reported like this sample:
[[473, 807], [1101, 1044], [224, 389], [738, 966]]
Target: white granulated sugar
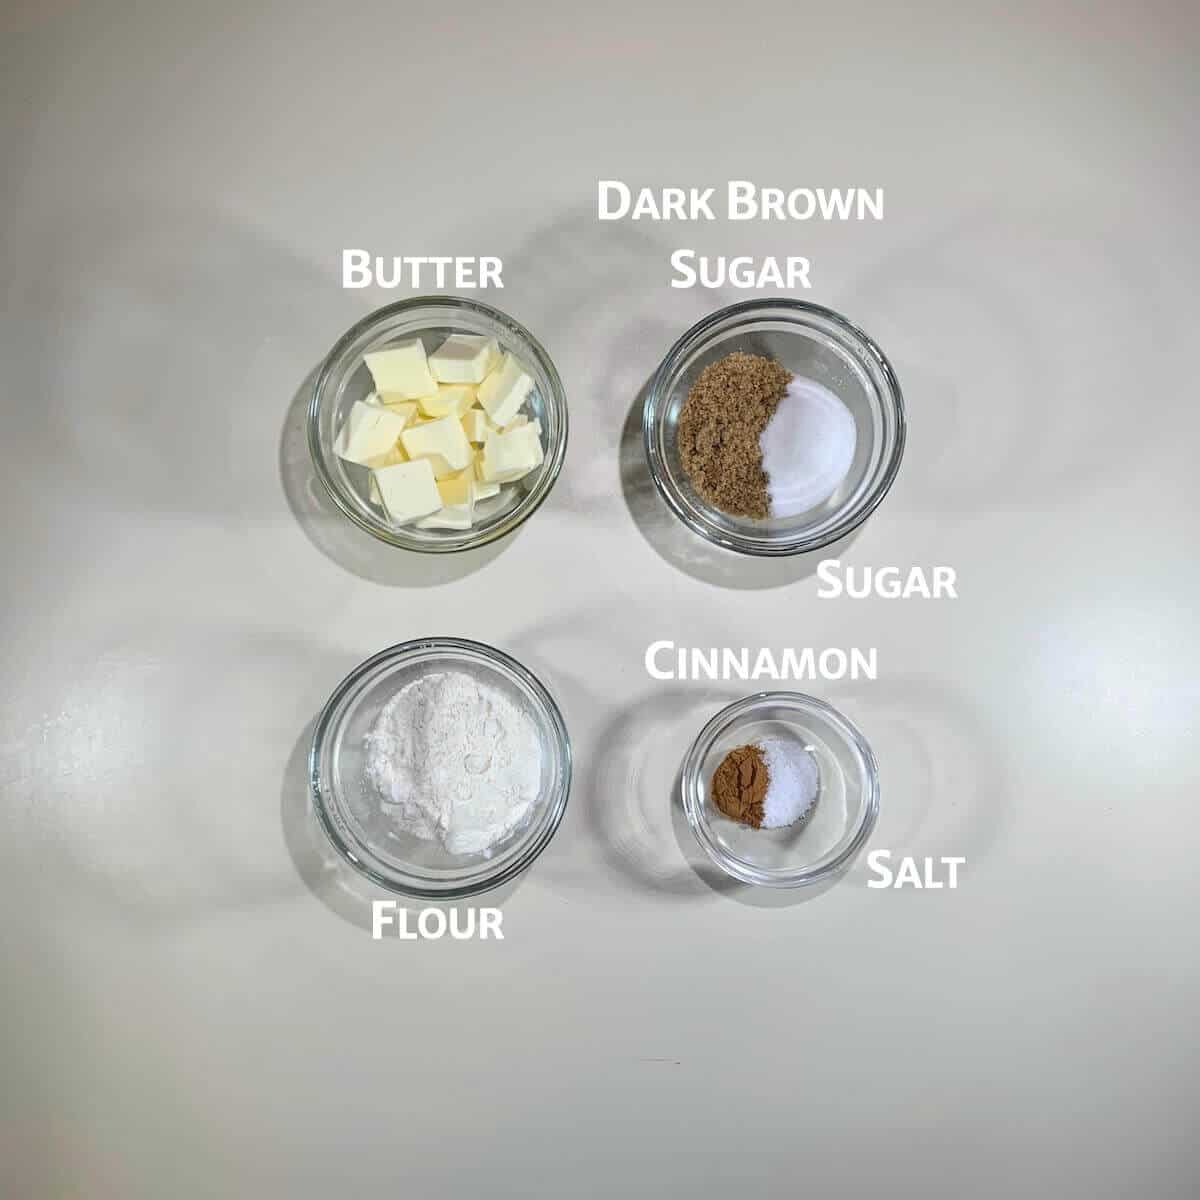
[[455, 759], [792, 782], [807, 448]]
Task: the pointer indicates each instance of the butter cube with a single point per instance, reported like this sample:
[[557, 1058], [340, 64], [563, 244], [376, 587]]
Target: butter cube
[[456, 489], [464, 358], [453, 516], [509, 456], [402, 370], [390, 459], [452, 399], [442, 441], [475, 425], [522, 419], [481, 489], [503, 392], [408, 491], [370, 430], [405, 409]]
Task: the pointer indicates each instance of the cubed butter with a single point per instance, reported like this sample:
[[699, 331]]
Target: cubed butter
[[408, 491], [405, 409], [370, 430], [509, 456], [442, 442], [475, 425], [456, 489], [450, 400], [481, 489], [503, 392], [453, 516], [390, 459], [464, 358], [522, 419], [402, 370]]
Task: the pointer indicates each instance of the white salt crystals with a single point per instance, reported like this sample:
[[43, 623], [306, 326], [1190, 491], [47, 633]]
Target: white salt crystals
[[792, 782], [807, 448]]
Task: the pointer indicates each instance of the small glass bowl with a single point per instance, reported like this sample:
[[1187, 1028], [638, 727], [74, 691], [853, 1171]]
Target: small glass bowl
[[349, 807], [814, 343], [826, 840], [344, 379]]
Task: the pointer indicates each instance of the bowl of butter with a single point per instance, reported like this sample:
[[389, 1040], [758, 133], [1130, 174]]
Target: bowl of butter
[[437, 424]]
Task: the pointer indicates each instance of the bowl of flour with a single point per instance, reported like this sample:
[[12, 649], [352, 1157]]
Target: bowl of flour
[[440, 768]]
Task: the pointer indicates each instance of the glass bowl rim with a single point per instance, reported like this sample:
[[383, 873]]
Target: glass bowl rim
[[739, 868], [656, 400], [556, 453], [352, 683]]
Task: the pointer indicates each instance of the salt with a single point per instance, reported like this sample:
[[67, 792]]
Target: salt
[[807, 448], [793, 782]]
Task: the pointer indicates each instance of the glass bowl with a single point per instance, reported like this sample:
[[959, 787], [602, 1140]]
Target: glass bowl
[[344, 378], [349, 807], [814, 343], [825, 841]]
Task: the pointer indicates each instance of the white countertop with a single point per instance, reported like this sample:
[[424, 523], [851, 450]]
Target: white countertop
[[194, 1005]]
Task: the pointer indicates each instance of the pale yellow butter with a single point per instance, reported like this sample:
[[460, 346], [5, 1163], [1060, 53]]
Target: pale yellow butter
[[402, 370], [369, 430], [509, 456], [390, 459], [453, 516], [442, 442], [476, 425], [452, 399], [503, 392], [523, 419], [464, 358], [405, 409], [458, 502], [456, 489], [480, 489], [408, 491]]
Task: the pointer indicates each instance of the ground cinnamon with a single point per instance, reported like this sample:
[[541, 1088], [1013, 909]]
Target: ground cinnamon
[[726, 410], [739, 785]]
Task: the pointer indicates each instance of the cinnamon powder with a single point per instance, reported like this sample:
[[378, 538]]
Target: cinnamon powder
[[726, 410], [739, 785]]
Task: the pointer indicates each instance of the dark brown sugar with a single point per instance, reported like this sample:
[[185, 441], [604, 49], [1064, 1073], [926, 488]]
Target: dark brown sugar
[[726, 410]]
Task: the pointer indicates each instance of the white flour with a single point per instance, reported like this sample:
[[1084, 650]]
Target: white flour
[[456, 760]]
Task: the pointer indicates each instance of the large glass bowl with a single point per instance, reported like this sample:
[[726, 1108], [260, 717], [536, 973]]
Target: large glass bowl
[[344, 379], [823, 843], [814, 343], [350, 810]]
